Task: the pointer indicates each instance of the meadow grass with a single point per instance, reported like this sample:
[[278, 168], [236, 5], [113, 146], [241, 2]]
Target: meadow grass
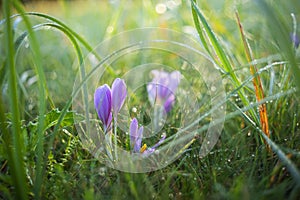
[[42, 155]]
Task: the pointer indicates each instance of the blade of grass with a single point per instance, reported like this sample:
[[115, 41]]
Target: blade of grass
[[256, 81], [15, 151], [221, 55], [82, 70], [279, 31], [42, 99]]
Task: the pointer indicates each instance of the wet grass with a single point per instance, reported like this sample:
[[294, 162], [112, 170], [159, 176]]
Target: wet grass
[[42, 155]]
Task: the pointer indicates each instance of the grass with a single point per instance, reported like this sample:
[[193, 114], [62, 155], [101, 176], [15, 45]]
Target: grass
[[42, 155]]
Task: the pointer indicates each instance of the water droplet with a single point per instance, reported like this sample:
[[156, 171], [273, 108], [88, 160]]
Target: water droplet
[[26, 45], [109, 29], [160, 8], [134, 109], [249, 134], [213, 88], [253, 155], [229, 160], [171, 4], [102, 171]]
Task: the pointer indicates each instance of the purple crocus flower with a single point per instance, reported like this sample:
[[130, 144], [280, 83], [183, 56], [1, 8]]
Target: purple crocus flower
[[162, 88], [119, 92], [108, 101], [102, 101], [136, 135]]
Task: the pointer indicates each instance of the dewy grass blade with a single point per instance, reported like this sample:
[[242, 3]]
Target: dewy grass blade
[[256, 82], [200, 32], [222, 57], [15, 151], [80, 60], [42, 100], [279, 31]]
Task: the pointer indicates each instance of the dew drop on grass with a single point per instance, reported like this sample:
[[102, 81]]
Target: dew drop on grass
[[160, 8], [249, 134], [171, 4], [109, 29], [102, 171], [134, 109], [213, 88]]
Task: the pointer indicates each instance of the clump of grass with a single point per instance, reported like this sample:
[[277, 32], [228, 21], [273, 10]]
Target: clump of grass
[[42, 155]]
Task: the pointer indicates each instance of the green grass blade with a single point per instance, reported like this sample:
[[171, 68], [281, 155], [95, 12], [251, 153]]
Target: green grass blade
[[42, 100], [15, 151], [279, 32], [225, 63]]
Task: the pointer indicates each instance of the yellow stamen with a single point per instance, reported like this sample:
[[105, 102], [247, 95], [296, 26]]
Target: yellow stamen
[[143, 148]]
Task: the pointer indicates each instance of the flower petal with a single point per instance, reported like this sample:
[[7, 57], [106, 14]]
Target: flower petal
[[168, 105], [119, 93], [174, 80], [133, 132], [102, 102], [152, 149], [161, 90], [138, 143]]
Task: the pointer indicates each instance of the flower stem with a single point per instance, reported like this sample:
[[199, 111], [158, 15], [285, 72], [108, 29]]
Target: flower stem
[[115, 137]]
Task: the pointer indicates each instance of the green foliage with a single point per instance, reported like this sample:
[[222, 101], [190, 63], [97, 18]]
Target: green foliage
[[42, 156]]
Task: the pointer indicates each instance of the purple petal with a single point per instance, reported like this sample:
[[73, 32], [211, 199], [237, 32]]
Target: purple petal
[[169, 103], [133, 131], [119, 93], [159, 142], [138, 142], [152, 149], [162, 88], [174, 78], [102, 101], [161, 78], [152, 92]]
